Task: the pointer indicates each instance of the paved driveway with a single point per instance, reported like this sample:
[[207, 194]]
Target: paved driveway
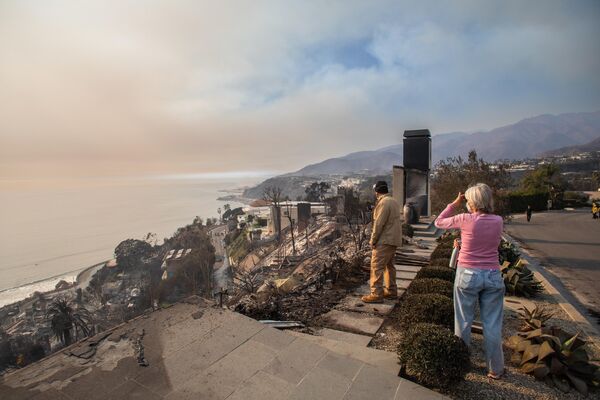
[[569, 244]]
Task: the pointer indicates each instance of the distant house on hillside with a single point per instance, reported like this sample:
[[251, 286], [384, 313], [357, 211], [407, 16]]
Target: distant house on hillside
[[172, 261], [297, 211]]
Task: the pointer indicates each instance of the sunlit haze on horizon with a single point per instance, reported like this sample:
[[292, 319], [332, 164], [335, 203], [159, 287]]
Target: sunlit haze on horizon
[[195, 89]]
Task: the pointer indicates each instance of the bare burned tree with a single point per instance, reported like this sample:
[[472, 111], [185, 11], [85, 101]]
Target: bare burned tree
[[358, 229], [357, 219], [245, 281], [291, 221]]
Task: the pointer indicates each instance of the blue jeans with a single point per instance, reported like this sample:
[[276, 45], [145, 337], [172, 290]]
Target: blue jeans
[[474, 285]]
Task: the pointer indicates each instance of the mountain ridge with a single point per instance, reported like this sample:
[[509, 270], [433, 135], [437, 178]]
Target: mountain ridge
[[526, 138]]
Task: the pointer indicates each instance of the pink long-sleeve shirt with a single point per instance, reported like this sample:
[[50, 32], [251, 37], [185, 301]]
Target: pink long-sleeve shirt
[[480, 237]]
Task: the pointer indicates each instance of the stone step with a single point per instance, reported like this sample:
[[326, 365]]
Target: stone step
[[403, 284], [425, 253], [411, 257], [384, 360], [409, 263], [353, 322], [428, 234], [341, 336], [405, 275], [407, 268], [355, 304], [377, 379], [423, 226]]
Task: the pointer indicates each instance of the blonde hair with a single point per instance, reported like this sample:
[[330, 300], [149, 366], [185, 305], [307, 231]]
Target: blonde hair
[[481, 197]]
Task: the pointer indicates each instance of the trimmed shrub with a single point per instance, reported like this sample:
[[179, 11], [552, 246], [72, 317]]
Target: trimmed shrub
[[446, 274], [431, 285], [442, 252], [440, 262], [433, 355], [434, 308], [408, 230]]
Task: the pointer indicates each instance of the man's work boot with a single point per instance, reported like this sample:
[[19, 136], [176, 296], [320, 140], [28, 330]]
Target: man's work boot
[[390, 295], [372, 298]]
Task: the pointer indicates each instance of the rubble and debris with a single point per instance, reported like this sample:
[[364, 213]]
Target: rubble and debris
[[138, 347], [87, 348]]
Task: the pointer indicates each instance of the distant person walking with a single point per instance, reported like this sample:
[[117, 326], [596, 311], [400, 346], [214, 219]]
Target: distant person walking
[[478, 278], [385, 238], [595, 211], [529, 212], [549, 204]]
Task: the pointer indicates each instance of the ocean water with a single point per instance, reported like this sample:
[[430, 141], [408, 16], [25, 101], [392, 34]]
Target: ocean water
[[51, 230]]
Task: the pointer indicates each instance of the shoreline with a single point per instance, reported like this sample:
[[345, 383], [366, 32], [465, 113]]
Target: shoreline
[[78, 280], [237, 198], [10, 297]]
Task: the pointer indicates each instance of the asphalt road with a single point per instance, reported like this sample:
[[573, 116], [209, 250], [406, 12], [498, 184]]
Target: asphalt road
[[222, 273], [568, 243]]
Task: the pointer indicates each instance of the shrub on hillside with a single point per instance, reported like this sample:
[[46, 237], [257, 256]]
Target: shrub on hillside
[[433, 355], [446, 274], [431, 285], [433, 308]]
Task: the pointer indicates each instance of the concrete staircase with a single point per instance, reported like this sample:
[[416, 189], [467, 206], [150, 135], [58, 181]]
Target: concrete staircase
[[351, 325]]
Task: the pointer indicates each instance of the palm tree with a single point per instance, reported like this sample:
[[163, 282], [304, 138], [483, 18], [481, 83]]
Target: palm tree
[[65, 317]]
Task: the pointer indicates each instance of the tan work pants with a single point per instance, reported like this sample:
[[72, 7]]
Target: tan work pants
[[383, 270]]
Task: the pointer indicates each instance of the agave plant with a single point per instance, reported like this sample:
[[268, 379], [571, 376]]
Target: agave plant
[[534, 319], [519, 280], [555, 356], [508, 252]]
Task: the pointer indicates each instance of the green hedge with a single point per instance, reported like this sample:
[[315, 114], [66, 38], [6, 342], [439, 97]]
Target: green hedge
[[433, 308], [431, 285], [442, 251], [433, 355], [518, 201], [446, 274], [439, 262]]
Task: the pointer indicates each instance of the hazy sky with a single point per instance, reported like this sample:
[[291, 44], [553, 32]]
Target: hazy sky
[[144, 87]]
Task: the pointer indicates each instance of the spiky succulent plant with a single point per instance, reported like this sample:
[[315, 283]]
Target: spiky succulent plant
[[555, 356], [535, 318], [519, 280]]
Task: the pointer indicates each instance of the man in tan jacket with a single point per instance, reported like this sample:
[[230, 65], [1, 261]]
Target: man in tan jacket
[[386, 237]]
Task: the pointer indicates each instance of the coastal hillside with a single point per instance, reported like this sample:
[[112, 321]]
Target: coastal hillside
[[524, 139], [594, 145], [371, 162]]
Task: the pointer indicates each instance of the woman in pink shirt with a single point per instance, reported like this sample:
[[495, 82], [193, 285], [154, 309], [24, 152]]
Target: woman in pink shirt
[[478, 278]]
